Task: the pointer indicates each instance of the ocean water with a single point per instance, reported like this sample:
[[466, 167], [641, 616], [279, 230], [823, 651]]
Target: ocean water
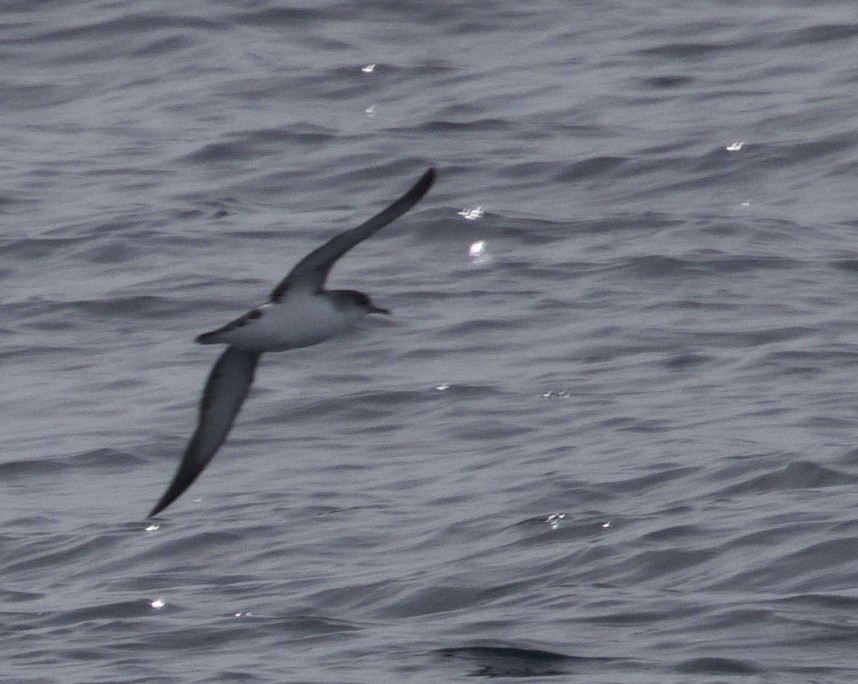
[[608, 435]]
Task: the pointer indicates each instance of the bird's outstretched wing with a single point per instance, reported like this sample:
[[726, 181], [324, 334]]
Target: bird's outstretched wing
[[310, 273], [226, 389]]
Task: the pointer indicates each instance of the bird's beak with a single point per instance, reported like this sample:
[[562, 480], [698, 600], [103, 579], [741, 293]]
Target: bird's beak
[[379, 310]]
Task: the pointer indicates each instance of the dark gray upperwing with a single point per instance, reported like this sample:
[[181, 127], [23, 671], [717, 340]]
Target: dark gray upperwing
[[226, 389], [311, 272]]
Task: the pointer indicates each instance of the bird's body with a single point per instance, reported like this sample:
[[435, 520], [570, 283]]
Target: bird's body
[[299, 313], [302, 319]]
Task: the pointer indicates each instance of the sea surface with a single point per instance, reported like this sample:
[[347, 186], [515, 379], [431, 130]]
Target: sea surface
[[608, 435]]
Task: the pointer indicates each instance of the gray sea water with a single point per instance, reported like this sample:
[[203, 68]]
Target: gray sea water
[[608, 435]]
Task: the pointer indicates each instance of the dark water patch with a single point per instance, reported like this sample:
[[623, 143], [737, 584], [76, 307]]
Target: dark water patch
[[656, 266], [803, 153], [687, 362], [459, 110], [633, 618], [38, 352], [437, 599], [63, 315], [676, 533], [667, 82], [750, 338], [117, 251], [366, 407], [526, 170], [141, 307], [168, 633], [661, 266], [261, 142], [164, 46], [817, 35], [848, 265], [827, 565], [632, 424], [606, 491], [130, 24], [590, 168], [717, 666], [795, 475], [773, 534], [746, 264], [303, 133], [41, 552], [683, 51], [272, 17], [220, 152], [390, 413], [20, 596], [25, 97], [810, 359], [666, 564], [798, 362], [99, 612], [615, 221], [97, 460], [849, 459], [512, 661], [191, 544], [489, 430], [647, 482], [484, 326], [837, 602], [734, 617], [306, 625], [37, 248], [449, 127]]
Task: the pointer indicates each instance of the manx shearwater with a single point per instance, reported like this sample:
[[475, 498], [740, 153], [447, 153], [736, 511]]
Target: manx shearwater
[[299, 313]]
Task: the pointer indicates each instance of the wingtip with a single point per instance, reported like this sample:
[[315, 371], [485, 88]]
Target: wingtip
[[184, 478], [205, 338], [160, 506]]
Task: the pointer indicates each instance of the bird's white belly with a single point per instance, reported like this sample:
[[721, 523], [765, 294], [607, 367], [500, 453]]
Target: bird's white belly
[[298, 321]]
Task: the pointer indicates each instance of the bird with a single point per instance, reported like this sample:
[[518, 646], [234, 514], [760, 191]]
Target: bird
[[300, 312]]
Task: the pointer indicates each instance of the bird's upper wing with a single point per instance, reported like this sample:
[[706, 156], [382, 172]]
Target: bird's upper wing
[[310, 273], [226, 389]]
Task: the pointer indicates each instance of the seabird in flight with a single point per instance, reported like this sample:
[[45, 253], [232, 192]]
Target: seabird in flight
[[300, 312]]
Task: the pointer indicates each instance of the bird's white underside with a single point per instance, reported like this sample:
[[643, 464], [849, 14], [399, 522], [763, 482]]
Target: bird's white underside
[[301, 319]]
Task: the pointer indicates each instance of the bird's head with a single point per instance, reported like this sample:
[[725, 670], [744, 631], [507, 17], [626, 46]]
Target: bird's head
[[353, 298]]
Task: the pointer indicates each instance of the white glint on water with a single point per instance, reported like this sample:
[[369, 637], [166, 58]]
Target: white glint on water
[[477, 252], [473, 214], [554, 519], [157, 603]]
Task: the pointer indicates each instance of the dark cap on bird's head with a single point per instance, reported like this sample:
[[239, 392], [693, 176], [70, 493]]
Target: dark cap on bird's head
[[359, 299]]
